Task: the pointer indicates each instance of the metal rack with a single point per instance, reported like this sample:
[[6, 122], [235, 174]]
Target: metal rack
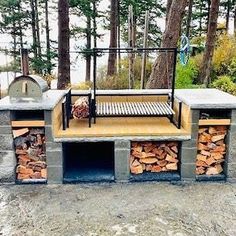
[[126, 109]]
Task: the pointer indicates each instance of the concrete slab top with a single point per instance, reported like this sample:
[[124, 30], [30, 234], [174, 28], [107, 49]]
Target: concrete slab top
[[48, 102], [206, 98]]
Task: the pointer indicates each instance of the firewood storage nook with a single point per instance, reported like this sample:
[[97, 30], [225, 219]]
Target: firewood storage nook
[[212, 144]]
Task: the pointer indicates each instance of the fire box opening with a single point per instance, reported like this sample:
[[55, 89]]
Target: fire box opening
[[88, 162]]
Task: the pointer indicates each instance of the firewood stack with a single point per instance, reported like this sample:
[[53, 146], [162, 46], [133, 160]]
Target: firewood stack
[[80, 109], [30, 153], [211, 150], [153, 157]]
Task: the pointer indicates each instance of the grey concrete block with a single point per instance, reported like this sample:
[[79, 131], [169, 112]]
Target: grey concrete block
[[7, 158], [48, 117], [122, 171], [4, 117], [189, 143], [232, 136], [188, 171], [49, 133], [194, 131], [53, 146], [231, 180], [55, 175], [188, 155], [195, 116], [7, 174], [233, 116], [54, 158], [231, 173], [231, 154], [122, 144], [5, 129], [6, 142]]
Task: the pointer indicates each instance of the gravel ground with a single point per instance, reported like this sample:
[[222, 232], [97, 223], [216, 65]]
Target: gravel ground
[[119, 209]]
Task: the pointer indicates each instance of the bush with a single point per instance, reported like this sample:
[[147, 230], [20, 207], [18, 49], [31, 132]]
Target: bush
[[224, 54], [82, 86], [225, 84], [186, 74]]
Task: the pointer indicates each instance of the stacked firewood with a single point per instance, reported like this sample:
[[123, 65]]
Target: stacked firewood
[[211, 150], [80, 109], [153, 157], [30, 153]]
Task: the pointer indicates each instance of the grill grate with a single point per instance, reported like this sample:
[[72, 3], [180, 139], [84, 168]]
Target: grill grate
[[134, 109]]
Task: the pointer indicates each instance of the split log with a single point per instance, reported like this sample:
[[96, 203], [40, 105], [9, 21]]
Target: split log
[[148, 160], [19, 132], [156, 168], [136, 169], [171, 166]]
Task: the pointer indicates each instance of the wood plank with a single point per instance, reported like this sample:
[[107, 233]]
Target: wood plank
[[28, 123], [214, 122]]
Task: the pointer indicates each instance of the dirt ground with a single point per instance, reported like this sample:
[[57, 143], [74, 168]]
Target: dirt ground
[[119, 209]]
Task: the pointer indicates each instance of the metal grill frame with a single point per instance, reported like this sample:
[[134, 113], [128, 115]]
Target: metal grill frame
[[92, 98]]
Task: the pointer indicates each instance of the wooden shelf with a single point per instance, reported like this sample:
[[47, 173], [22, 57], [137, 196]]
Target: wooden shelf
[[28, 123], [214, 122]]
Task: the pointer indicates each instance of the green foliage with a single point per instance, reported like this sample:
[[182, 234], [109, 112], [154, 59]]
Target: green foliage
[[225, 84], [186, 75], [224, 55]]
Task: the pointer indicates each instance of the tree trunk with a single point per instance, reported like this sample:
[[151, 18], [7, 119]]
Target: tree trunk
[[19, 24], [37, 29], [94, 24], [235, 21], [208, 14], [189, 18], [63, 45], [47, 29], [118, 35], [200, 20], [227, 15], [168, 5], [163, 65], [88, 47], [210, 43], [111, 69], [33, 24]]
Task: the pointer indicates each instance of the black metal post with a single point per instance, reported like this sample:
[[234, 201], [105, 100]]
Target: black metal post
[[94, 83], [90, 108], [63, 115], [68, 108], [180, 115], [173, 80]]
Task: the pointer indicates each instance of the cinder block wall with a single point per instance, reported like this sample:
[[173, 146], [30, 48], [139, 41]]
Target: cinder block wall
[[53, 152], [189, 150], [7, 154], [231, 157]]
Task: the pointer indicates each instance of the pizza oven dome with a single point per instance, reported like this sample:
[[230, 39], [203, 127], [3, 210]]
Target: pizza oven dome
[[27, 88]]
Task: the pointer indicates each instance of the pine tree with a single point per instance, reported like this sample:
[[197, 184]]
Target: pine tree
[[63, 45]]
